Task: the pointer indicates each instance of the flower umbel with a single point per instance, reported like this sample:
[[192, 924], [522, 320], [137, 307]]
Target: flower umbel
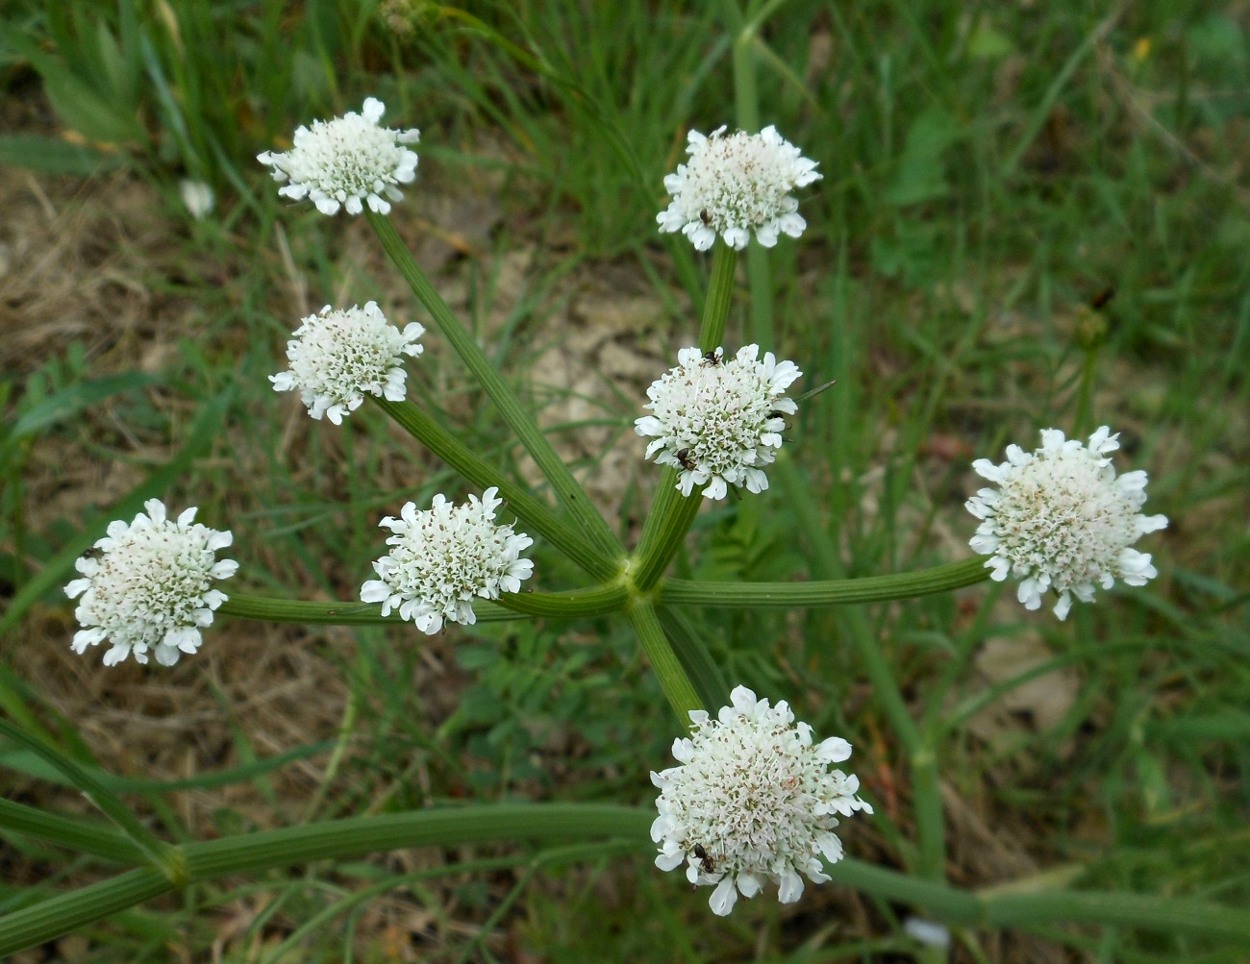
[[718, 419], [338, 356], [1062, 520], [347, 160], [733, 185], [753, 799], [442, 557], [147, 585]]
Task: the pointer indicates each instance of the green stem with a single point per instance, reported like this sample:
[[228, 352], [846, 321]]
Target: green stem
[[354, 836], [672, 514], [1166, 915], [720, 290], [664, 530], [827, 592], [73, 909], [535, 513], [568, 491], [664, 662], [1082, 423], [159, 854], [696, 659], [1031, 903], [78, 835], [597, 601], [335, 612], [747, 108], [336, 839], [926, 783]]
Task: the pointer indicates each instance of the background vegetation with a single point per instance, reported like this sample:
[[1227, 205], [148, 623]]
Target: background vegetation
[[990, 172]]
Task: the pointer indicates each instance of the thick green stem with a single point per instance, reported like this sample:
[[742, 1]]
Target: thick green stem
[[69, 911], [672, 514], [664, 662], [824, 593], [336, 612], [336, 839], [1029, 904], [598, 601], [666, 526], [697, 660], [568, 491], [163, 857], [536, 514], [720, 290], [1083, 421], [76, 834], [572, 603], [1166, 915]]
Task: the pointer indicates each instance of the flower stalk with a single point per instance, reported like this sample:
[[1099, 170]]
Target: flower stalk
[[162, 857], [672, 514], [1018, 904], [663, 659], [536, 514], [823, 593], [328, 840], [568, 492]]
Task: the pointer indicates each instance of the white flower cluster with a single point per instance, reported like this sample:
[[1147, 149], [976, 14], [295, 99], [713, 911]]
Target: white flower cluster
[[752, 800], [734, 185], [444, 557], [1060, 520], [147, 585], [346, 161], [338, 356], [717, 419]]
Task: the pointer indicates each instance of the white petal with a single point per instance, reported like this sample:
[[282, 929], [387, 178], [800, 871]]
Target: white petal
[[723, 897]]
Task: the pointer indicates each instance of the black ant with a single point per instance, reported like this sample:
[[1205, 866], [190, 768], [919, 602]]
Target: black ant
[[705, 859], [684, 459], [712, 357], [705, 217]]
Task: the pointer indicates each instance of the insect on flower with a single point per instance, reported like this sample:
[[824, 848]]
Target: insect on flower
[[781, 415], [760, 795], [709, 417]]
